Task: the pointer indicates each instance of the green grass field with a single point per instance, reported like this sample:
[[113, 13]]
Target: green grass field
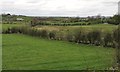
[[102, 27], [21, 52], [6, 26]]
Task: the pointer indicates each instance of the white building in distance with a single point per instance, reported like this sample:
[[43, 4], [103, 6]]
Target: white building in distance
[[19, 19], [119, 8]]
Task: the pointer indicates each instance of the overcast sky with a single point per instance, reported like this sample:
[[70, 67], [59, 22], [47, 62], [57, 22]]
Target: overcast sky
[[59, 7]]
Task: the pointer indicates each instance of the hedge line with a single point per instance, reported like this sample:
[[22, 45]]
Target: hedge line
[[93, 37]]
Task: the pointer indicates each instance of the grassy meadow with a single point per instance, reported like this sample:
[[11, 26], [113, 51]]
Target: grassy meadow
[[59, 43], [6, 26], [102, 27], [64, 30], [22, 52]]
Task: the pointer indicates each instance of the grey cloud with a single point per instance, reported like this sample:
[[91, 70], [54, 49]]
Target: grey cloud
[[99, 7], [33, 1], [110, 3]]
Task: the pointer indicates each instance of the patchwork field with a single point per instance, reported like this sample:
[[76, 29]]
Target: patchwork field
[[21, 52]]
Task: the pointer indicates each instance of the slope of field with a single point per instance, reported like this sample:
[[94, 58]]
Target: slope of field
[[30, 53]]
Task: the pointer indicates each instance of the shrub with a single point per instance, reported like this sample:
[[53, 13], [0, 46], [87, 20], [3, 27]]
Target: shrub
[[52, 35], [60, 36], [44, 34], [15, 30], [78, 36], [96, 37], [108, 40], [89, 37], [69, 37], [83, 38], [25, 30], [38, 33], [7, 31]]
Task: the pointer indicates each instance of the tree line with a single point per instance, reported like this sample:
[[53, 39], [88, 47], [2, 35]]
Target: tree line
[[114, 20], [35, 23]]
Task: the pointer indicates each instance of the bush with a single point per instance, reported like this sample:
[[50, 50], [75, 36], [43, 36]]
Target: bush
[[96, 37], [52, 35], [38, 33], [78, 36], [69, 37], [8, 31], [108, 40], [83, 38], [89, 37], [44, 34], [25, 30]]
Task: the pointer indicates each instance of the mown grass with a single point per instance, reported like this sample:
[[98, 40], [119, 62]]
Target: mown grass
[[21, 52]]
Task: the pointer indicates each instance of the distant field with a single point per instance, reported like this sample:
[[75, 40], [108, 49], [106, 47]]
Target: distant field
[[70, 23], [6, 26], [107, 27], [102, 27], [22, 52], [86, 28]]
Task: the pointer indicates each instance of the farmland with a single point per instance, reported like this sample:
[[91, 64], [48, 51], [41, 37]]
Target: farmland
[[101, 27], [21, 52], [59, 43], [6, 26], [105, 28]]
